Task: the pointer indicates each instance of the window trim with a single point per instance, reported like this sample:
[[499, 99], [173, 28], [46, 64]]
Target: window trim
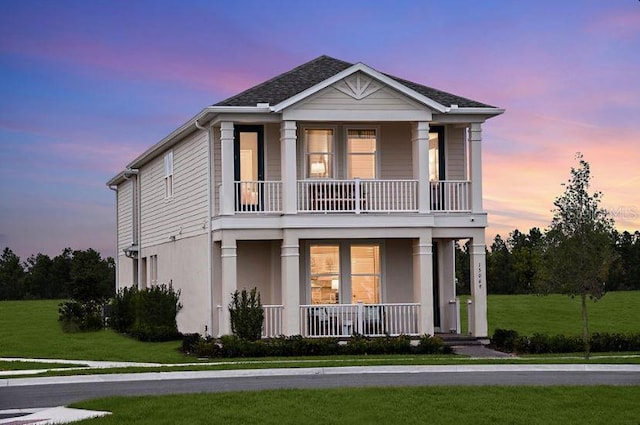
[[168, 167], [376, 156], [305, 153], [344, 253]]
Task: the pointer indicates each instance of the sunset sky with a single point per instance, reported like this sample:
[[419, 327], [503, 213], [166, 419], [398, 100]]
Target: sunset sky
[[86, 86]]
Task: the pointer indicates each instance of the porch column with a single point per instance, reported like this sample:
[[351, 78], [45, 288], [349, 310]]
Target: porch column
[[475, 148], [420, 139], [288, 167], [290, 258], [423, 281], [227, 196], [478, 323], [447, 282], [229, 257]]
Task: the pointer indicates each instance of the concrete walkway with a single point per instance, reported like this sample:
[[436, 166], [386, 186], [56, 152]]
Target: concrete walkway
[[48, 416]]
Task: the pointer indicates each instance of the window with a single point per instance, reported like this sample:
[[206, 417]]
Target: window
[[168, 174], [319, 153], [365, 274], [153, 270], [361, 154], [325, 274], [345, 273]]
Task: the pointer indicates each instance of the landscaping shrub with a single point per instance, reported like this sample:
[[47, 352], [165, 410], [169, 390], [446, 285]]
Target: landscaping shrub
[[510, 341], [76, 316], [230, 346], [432, 345], [246, 314], [147, 315], [123, 309]]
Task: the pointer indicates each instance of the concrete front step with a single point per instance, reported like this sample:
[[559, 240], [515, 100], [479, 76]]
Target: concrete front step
[[461, 340]]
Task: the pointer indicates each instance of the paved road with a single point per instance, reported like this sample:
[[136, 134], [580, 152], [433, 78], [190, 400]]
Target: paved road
[[43, 392]]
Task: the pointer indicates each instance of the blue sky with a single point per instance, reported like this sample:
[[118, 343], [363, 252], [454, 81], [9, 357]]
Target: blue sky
[[85, 86]]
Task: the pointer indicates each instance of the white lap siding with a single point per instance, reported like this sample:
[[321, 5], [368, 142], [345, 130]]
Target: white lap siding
[[185, 213], [455, 153]]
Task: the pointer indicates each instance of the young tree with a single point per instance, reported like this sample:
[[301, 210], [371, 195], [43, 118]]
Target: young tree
[[579, 250]]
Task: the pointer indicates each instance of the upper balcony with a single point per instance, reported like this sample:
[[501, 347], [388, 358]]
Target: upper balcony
[[306, 169]]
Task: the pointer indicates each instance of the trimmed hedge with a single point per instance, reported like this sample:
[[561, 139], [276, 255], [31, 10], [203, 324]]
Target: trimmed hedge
[[510, 341], [230, 346]]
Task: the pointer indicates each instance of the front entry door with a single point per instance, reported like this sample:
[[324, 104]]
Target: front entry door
[[249, 167]]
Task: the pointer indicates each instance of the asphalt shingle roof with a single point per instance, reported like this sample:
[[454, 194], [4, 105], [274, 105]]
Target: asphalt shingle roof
[[309, 74]]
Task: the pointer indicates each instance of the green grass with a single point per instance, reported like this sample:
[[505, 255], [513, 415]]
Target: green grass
[[30, 329], [560, 314], [20, 365], [409, 405]]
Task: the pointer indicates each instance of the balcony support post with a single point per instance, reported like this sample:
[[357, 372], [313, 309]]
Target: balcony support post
[[227, 187], [288, 166], [420, 142], [475, 148]]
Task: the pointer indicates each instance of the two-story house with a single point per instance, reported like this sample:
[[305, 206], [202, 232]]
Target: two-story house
[[337, 190]]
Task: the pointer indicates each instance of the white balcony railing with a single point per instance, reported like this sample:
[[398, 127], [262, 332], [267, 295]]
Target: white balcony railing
[[357, 196], [344, 320], [352, 196], [258, 196], [450, 196]]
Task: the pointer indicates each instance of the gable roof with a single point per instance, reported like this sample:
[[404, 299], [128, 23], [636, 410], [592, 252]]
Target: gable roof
[[307, 75]]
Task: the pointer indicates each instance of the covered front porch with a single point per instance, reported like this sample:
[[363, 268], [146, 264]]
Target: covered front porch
[[343, 287]]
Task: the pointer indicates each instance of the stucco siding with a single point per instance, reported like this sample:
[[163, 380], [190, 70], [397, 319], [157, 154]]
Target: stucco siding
[[255, 269], [455, 153], [183, 263], [125, 214], [184, 214], [398, 270], [125, 271]]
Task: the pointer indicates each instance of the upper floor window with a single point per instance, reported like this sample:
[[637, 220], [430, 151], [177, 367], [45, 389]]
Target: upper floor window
[[361, 153], [168, 174], [319, 153]]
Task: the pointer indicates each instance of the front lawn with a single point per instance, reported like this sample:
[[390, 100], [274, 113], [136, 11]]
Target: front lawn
[[30, 329], [408, 405]]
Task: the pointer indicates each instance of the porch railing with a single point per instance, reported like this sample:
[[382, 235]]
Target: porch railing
[[272, 324], [357, 196], [345, 320], [258, 196], [450, 195]]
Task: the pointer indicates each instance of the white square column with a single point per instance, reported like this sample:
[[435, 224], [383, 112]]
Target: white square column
[[478, 322], [288, 167], [475, 165], [229, 268], [290, 263], [423, 280], [227, 186], [420, 142], [447, 281]]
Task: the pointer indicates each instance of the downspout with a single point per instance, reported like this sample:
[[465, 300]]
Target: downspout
[[209, 325], [117, 257], [137, 210]]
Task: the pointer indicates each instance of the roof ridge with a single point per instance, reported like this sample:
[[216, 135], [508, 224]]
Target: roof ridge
[[291, 71]]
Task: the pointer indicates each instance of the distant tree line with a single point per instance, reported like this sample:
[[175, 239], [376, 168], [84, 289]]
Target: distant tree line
[[71, 274], [515, 264]]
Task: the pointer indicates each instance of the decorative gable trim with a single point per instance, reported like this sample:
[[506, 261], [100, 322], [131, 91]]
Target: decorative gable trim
[[360, 67], [358, 86]]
